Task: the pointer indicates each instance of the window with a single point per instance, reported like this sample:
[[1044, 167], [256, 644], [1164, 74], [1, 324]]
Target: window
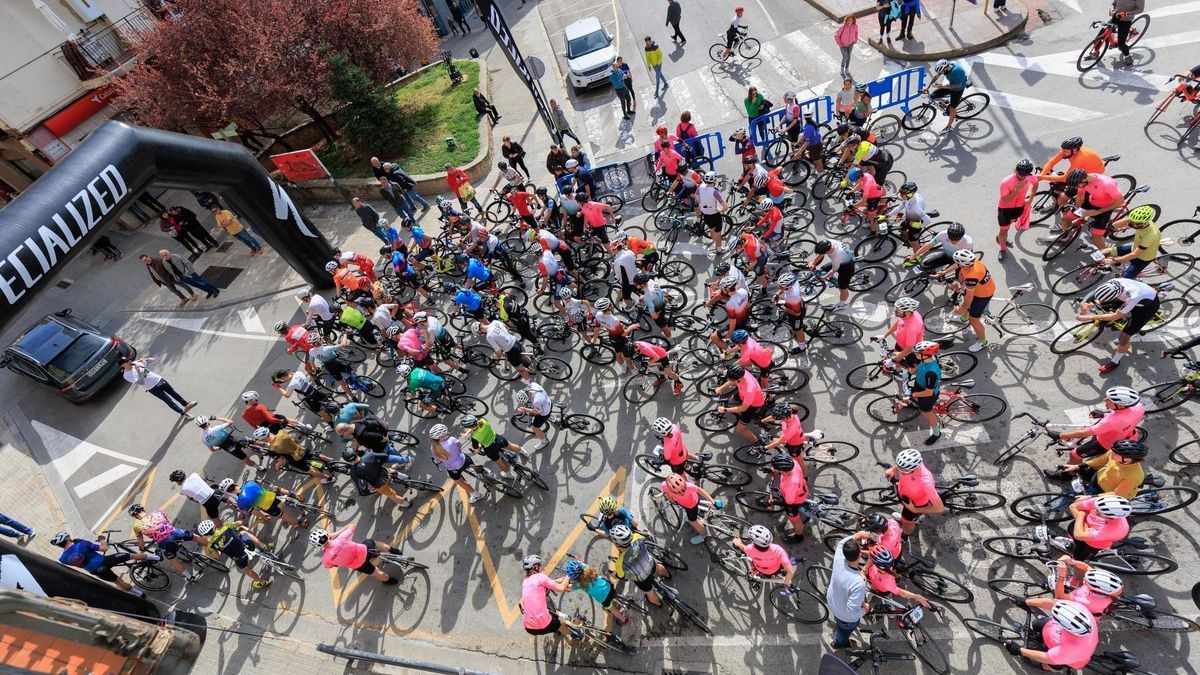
[[77, 356], [587, 44], [23, 367]]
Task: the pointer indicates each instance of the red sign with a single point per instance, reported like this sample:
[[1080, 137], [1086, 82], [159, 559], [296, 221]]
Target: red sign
[[73, 115], [300, 165]]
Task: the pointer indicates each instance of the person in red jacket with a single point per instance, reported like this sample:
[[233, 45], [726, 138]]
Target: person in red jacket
[[460, 185]]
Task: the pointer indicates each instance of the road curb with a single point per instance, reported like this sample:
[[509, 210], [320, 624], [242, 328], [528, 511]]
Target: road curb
[[999, 39]]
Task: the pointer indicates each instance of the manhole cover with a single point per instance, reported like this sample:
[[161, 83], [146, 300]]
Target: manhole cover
[[221, 277]]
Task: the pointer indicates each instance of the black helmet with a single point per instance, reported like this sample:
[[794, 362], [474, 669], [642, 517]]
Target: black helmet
[[823, 246], [721, 268], [956, 231], [1076, 177], [1131, 449], [908, 187], [385, 250], [873, 522], [1024, 167], [330, 407], [627, 350], [640, 278], [135, 509], [540, 191], [843, 129], [780, 410], [1072, 143], [349, 455], [734, 372], [177, 476], [751, 159], [582, 197], [782, 462]]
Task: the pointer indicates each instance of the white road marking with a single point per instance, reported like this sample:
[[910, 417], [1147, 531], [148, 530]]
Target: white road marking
[[783, 66], [194, 325], [682, 94], [811, 52], [68, 453], [1041, 108], [1172, 10], [1073, 4], [250, 320], [592, 125], [768, 15], [725, 104], [107, 478]]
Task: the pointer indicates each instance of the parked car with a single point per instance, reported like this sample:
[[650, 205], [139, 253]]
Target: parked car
[[68, 354], [590, 53]]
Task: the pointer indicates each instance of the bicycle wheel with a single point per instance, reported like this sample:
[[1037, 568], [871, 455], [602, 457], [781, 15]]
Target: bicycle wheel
[[584, 425], [369, 387], [413, 406], [677, 271], [418, 485], [996, 632], [724, 474], [470, 405], [490, 482], [286, 569], [887, 410], [841, 224], [886, 128], [405, 561], [716, 422], [728, 557], [597, 355], [1075, 338], [1044, 205], [1149, 618], [528, 474], [402, 438], [875, 248], [785, 380], [838, 332], [553, 368], [972, 104], [976, 408], [665, 510], [1157, 501], [818, 577], [640, 388], [926, 649], [669, 558], [778, 150], [1015, 546], [908, 288], [689, 613], [1169, 309], [1092, 53], [1030, 318], [1049, 505], [868, 277], [837, 518], [799, 605], [1060, 243], [202, 560], [972, 500], [831, 452], [1190, 132], [498, 211], [1137, 30], [614, 201], [1134, 563], [352, 353], [1078, 280], [759, 500], [1019, 589], [754, 454], [794, 173], [149, 576], [1187, 454], [654, 465], [941, 587], [748, 47], [868, 377], [919, 117], [880, 496]]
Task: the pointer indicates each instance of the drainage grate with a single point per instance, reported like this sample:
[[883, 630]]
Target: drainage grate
[[65, 283], [224, 246], [221, 277]]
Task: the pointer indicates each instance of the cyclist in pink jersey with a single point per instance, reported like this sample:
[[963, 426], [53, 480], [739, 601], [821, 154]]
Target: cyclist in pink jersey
[[1016, 195], [1069, 635], [872, 193], [877, 530], [339, 550], [537, 617], [1125, 413], [916, 487], [669, 161], [688, 495], [750, 399], [654, 355], [791, 431], [909, 329], [767, 558], [1092, 587], [673, 448], [793, 487], [749, 353], [883, 580], [596, 215], [1099, 196], [1100, 522]]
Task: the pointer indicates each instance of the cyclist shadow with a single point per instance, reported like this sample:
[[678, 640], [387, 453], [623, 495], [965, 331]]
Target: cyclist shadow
[[739, 71], [1144, 94], [956, 150], [374, 609]]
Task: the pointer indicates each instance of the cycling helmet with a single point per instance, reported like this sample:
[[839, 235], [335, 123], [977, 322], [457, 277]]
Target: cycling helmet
[[248, 396], [201, 421], [393, 330], [531, 561], [853, 174], [136, 509], [760, 179], [621, 535], [1107, 292], [603, 304], [261, 433], [330, 407], [735, 372], [1103, 581], [941, 65], [1113, 506], [728, 283], [661, 130], [780, 410], [1072, 143], [565, 293], [403, 370], [1072, 617], [710, 176], [177, 476], [281, 326], [628, 350], [60, 539], [883, 558], [676, 483], [721, 268], [439, 431], [1135, 450], [463, 258], [823, 246], [787, 279], [908, 188], [782, 463], [313, 338], [789, 95], [843, 129], [907, 305], [1122, 396], [853, 138], [318, 537], [751, 160], [420, 317], [1075, 177], [926, 347], [964, 256], [574, 569], [956, 231], [305, 294], [759, 536], [662, 426], [571, 163], [205, 528], [608, 503], [1142, 214], [350, 455], [739, 336], [1024, 167], [873, 522], [522, 397], [541, 191], [908, 460], [225, 484], [740, 131], [640, 279], [860, 87], [620, 236], [468, 421], [331, 266]]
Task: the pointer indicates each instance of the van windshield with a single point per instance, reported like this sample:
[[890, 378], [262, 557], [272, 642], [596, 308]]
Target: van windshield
[[77, 356], [586, 44]]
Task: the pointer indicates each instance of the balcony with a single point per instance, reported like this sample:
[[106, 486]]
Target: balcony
[[93, 54]]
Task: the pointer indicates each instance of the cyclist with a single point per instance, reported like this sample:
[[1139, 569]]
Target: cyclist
[[750, 353], [576, 310], [883, 580], [1100, 522], [316, 310], [790, 296], [447, 451], [585, 578], [220, 437], [1118, 471], [737, 308], [722, 270], [654, 301], [978, 287], [339, 550], [956, 83], [513, 180], [1135, 302], [769, 223], [1144, 248], [168, 538], [636, 561], [810, 148], [687, 495], [750, 397], [233, 539], [345, 280], [364, 264], [793, 487], [412, 346], [1098, 197], [253, 498], [1068, 635], [876, 530], [1078, 157], [538, 619], [916, 488], [767, 559], [909, 329], [910, 213], [204, 493], [94, 558], [654, 355], [756, 251], [295, 336], [287, 382], [533, 400], [732, 33], [669, 161], [288, 451], [927, 386], [486, 441], [872, 194], [479, 277], [611, 516], [684, 187], [618, 333], [257, 415], [624, 264], [1125, 413], [1016, 196], [874, 160], [505, 345], [841, 263], [329, 358], [521, 199], [791, 432], [370, 476], [511, 310], [947, 242], [597, 215], [791, 125], [423, 385], [1123, 12], [711, 207], [672, 447]]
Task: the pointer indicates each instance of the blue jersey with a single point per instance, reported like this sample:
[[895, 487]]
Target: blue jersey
[[564, 182], [85, 554], [391, 235], [957, 75], [477, 270], [928, 376], [419, 236], [621, 517], [348, 411], [400, 265], [469, 300], [598, 590], [216, 435]]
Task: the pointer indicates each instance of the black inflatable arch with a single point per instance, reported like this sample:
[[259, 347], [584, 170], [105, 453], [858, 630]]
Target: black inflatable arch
[[68, 208]]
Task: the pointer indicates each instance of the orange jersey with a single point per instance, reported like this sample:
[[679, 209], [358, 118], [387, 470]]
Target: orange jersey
[[1086, 158]]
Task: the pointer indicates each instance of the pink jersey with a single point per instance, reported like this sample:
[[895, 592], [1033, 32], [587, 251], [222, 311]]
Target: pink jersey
[[410, 341], [752, 352], [533, 600], [674, 451], [1101, 190], [650, 349], [690, 497], [910, 330], [341, 551], [1064, 648], [1118, 425], [1101, 532], [891, 540], [917, 487], [792, 485], [593, 214], [1009, 184], [669, 161], [769, 561], [792, 430], [1096, 603], [749, 391], [881, 581], [870, 188]]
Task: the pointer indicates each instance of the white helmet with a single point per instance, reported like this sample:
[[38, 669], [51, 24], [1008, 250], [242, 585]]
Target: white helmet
[[306, 293], [1072, 617], [710, 176], [439, 431], [205, 528], [787, 279], [1107, 292], [621, 535], [403, 370], [727, 283], [201, 421], [964, 256], [941, 65], [907, 305], [248, 396], [1103, 581], [280, 326], [393, 330], [760, 180], [1122, 396], [1113, 506], [565, 293], [603, 304], [330, 266], [383, 222], [420, 316], [789, 96], [908, 460], [531, 561], [759, 536], [661, 427], [261, 433], [225, 484], [318, 537], [522, 397], [571, 163]]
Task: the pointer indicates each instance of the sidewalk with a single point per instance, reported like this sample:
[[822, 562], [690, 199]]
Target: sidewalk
[[974, 29]]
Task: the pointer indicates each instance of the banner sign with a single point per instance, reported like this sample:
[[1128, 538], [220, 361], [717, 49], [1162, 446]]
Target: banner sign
[[490, 11], [300, 165]]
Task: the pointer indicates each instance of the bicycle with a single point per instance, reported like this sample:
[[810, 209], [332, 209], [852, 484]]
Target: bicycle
[[488, 480], [814, 449], [1164, 268], [873, 376], [397, 558], [822, 506], [291, 499], [1107, 37], [623, 602], [699, 469], [879, 245], [670, 597], [1082, 334], [273, 563], [743, 45], [1173, 393], [550, 367], [1073, 222], [1123, 558], [872, 654], [977, 408], [666, 556], [201, 562], [359, 384], [951, 493], [584, 425], [445, 403], [1184, 93], [1014, 318], [1154, 498], [146, 574], [922, 115]]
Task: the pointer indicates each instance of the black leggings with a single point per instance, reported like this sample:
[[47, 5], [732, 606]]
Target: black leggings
[[1123, 35], [885, 23]]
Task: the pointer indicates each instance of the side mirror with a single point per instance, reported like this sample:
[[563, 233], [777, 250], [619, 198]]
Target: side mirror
[[65, 312]]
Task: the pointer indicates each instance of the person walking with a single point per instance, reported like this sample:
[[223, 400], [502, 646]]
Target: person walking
[[627, 78], [654, 58], [185, 273], [369, 218], [515, 154], [617, 79], [177, 232], [13, 528], [910, 11], [561, 125], [845, 37], [884, 10], [162, 277], [187, 218], [460, 185], [138, 373], [459, 20], [1123, 13], [846, 595], [674, 13], [756, 105], [484, 107], [229, 222], [394, 195]]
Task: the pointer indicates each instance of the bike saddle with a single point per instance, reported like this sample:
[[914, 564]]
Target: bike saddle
[[705, 455], [1135, 542], [814, 435], [969, 480], [1111, 158], [827, 497], [946, 342], [933, 214], [1142, 600], [1127, 660], [1155, 480], [965, 384], [1023, 288]]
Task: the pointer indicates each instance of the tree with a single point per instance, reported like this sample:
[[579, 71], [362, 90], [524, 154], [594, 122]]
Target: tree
[[374, 124], [229, 60]]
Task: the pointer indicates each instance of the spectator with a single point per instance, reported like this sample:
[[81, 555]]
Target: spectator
[[14, 529], [206, 199], [654, 57], [229, 222], [181, 268], [515, 154], [674, 12], [756, 106], [617, 79], [187, 218], [369, 218], [104, 245], [460, 185], [562, 127], [846, 98], [137, 372], [172, 227], [845, 37], [847, 591], [580, 156], [395, 196], [884, 10], [484, 106], [556, 160], [161, 276], [407, 184], [459, 19], [910, 11], [377, 168], [627, 78]]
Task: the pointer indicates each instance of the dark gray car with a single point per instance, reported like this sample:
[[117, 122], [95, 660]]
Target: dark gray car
[[71, 355]]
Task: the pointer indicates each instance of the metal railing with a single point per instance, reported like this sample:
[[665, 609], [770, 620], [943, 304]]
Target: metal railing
[[93, 53]]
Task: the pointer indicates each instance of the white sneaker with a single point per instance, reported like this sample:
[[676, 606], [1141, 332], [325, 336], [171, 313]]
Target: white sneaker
[[475, 496], [541, 444], [840, 306], [978, 346], [506, 475]]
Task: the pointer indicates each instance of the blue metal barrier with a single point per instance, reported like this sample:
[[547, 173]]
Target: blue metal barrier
[[821, 107], [897, 89]]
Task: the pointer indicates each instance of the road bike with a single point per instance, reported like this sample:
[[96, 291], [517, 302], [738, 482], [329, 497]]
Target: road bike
[[145, 573], [397, 558], [1153, 498], [890, 233], [814, 449], [1105, 663], [1186, 93], [698, 469], [299, 503], [872, 376], [623, 602], [666, 556], [743, 45], [823, 506], [359, 385], [774, 322], [1189, 223], [201, 562], [952, 403], [1073, 222], [550, 367], [1123, 558], [1045, 202], [584, 425], [923, 114], [872, 654], [952, 494], [1166, 267], [273, 563], [489, 480], [1107, 37], [1172, 393], [445, 403], [1084, 333], [1014, 318], [395, 477]]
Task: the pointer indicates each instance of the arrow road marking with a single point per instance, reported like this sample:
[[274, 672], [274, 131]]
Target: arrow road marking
[[97, 482], [1041, 108], [68, 454], [250, 320], [194, 325]]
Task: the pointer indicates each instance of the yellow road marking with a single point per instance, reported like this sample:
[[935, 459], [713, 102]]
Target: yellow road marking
[[148, 478]]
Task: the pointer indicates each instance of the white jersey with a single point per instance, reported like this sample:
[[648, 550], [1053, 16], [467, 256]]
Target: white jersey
[[1132, 293], [318, 307], [913, 209], [539, 400], [710, 199], [196, 489], [840, 254]]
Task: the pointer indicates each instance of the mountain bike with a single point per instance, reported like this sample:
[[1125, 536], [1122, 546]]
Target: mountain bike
[[1107, 37]]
